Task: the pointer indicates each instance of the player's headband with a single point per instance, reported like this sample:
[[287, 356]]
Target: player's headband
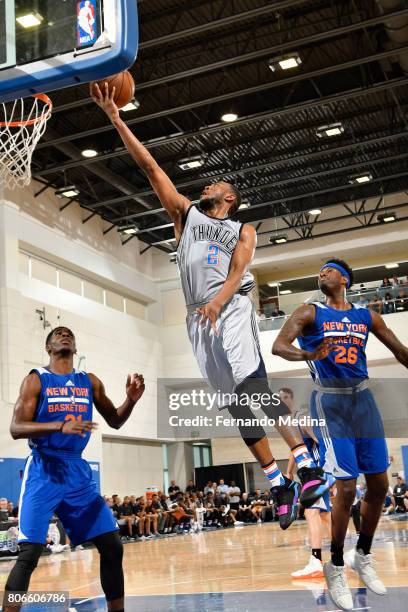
[[338, 267]]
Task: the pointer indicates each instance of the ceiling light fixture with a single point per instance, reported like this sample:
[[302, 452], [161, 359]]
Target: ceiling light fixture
[[387, 217], [278, 239], [69, 191], [130, 230], [285, 62], [333, 129], [30, 20], [190, 163], [131, 106], [285, 292], [365, 177], [391, 266], [229, 117], [315, 211], [89, 153]]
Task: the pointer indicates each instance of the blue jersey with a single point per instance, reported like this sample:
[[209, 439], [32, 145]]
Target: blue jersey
[[348, 330], [63, 397]]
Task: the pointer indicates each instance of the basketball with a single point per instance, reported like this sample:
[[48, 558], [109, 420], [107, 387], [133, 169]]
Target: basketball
[[124, 87]]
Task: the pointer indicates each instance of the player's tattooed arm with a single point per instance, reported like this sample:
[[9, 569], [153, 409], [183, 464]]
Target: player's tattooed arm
[[116, 417], [240, 261], [297, 323], [173, 202], [23, 424], [388, 338]]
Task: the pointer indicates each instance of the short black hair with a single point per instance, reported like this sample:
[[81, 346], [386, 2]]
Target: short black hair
[[52, 332], [238, 201], [343, 264], [287, 390]]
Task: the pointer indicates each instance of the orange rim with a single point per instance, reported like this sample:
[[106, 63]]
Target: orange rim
[[44, 98]]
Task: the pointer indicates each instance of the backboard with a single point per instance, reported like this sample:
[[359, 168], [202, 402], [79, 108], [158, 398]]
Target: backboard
[[51, 44]]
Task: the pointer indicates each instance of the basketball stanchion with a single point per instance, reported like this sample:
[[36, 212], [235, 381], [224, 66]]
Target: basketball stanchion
[[22, 124]]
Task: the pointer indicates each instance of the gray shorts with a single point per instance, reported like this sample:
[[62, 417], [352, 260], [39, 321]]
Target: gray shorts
[[228, 357]]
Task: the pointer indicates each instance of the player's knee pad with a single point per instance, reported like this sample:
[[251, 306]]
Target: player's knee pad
[[26, 563], [255, 390], [110, 549], [250, 432]]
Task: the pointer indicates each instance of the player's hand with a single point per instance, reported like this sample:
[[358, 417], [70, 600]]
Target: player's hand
[[135, 387], [290, 475], [322, 351], [105, 100], [79, 428], [210, 312]]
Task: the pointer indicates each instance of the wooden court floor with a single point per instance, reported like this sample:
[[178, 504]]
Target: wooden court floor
[[245, 559]]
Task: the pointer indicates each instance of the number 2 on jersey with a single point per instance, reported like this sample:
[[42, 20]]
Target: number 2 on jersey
[[346, 355], [213, 255]]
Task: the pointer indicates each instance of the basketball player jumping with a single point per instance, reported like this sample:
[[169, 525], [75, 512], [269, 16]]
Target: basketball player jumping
[[214, 254], [54, 411], [332, 339]]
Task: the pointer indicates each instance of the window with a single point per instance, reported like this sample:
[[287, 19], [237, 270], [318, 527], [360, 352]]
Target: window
[[43, 272], [34, 267]]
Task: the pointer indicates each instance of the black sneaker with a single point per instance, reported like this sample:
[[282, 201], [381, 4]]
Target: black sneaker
[[314, 485], [287, 499]]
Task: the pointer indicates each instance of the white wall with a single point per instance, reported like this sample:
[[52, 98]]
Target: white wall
[[130, 466]]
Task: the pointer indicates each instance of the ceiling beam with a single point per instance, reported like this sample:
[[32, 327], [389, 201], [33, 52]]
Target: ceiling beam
[[249, 119], [245, 57], [269, 163]]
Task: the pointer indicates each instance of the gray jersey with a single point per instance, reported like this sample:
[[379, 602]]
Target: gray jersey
[[204, 256]]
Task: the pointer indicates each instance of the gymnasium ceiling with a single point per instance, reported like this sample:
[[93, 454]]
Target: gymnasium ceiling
[[201, 59]]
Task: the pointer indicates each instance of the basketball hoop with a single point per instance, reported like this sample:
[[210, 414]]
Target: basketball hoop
[[21, 128]]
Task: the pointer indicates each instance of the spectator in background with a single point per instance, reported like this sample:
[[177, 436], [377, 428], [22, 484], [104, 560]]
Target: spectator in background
[[173, 490], [234, 494], [362, 301], [208, 488], [3, 510], [276, 312], [400, 496], [388, 304], [153, 514], [260, 316], [363, 287], [144, 519], [222, 488], [386, 283], [395, 281], [244, 511], [376, 304], [191, 488], [116, 503], [257, 503], [126, 513], [401, 303]]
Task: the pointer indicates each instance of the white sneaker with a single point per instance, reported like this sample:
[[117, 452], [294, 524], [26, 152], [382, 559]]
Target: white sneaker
[[364, 566], [238, 523], [259, 521], [313, 569], [337, 585]]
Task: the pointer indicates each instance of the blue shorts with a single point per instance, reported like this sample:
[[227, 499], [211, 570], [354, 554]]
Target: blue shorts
[[64, 486], [352, 440]]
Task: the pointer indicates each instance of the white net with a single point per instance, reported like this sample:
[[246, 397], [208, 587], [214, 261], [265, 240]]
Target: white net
[[22, 123]]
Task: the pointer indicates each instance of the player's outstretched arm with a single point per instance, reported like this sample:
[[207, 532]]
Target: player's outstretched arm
[[174, 203], [302, 317], [388, 338], [116, 417], [240, 261], [23, 424]]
